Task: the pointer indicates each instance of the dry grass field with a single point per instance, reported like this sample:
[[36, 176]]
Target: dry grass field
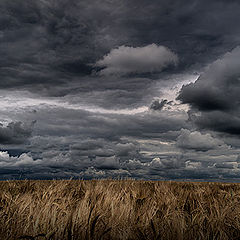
[[118, 209]]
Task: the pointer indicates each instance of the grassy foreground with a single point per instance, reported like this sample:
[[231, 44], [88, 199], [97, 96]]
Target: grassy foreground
[[118, 209]]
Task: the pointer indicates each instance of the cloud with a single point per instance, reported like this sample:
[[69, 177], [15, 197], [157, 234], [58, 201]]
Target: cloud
[[158, 163], [24, 159], [48, 48], [193, 165], [220, 121], [216, 95], [52, 43], [106, 163], [218, 88], [15, 133], [69, 141], [197, 141], [127, 149], [48, 45], [157, 105], [125, 60], [226, 165]]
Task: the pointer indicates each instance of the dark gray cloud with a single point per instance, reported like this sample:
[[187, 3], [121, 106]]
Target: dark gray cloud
[[70, 143], [216, 95], [218, 88], [44, 43], [219, 121], [197, 141], [15, 133], [157, 105]]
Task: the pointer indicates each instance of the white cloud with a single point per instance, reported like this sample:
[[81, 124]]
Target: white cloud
[[193, 165], [125, 60], [23, 160], [91, 171], [156, 163]]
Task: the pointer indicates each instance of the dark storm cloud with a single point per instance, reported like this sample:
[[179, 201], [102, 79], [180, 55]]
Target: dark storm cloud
[[49, 43], [216, 95], [219, 121], [218, 88], [59, 50], [15, 133]]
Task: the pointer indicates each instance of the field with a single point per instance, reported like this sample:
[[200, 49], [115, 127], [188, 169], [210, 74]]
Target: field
[[118, 209]]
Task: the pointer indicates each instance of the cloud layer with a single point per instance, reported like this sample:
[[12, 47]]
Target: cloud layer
[[88, 89]]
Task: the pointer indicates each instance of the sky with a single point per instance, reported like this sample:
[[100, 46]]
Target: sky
[[120, 89]]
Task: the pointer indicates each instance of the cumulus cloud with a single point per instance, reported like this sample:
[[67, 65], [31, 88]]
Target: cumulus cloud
[[158, 163], [193, 165], [124, 60], [197, 141], [24, 159]]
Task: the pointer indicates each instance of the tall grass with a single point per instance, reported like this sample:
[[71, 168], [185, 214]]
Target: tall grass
[[118, 209]]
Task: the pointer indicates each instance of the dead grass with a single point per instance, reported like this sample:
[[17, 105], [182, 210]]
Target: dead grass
[[118, 209]]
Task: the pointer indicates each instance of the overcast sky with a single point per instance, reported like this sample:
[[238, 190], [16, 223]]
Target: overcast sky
[[120, 88]]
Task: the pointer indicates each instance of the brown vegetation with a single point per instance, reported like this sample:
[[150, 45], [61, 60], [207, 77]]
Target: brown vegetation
[[118, 209]]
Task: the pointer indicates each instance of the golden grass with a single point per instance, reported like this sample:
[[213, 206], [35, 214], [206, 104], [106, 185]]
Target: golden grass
[[118, 209]]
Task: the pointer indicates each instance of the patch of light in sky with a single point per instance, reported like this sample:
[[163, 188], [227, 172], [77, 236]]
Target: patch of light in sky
[[20, 100]]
